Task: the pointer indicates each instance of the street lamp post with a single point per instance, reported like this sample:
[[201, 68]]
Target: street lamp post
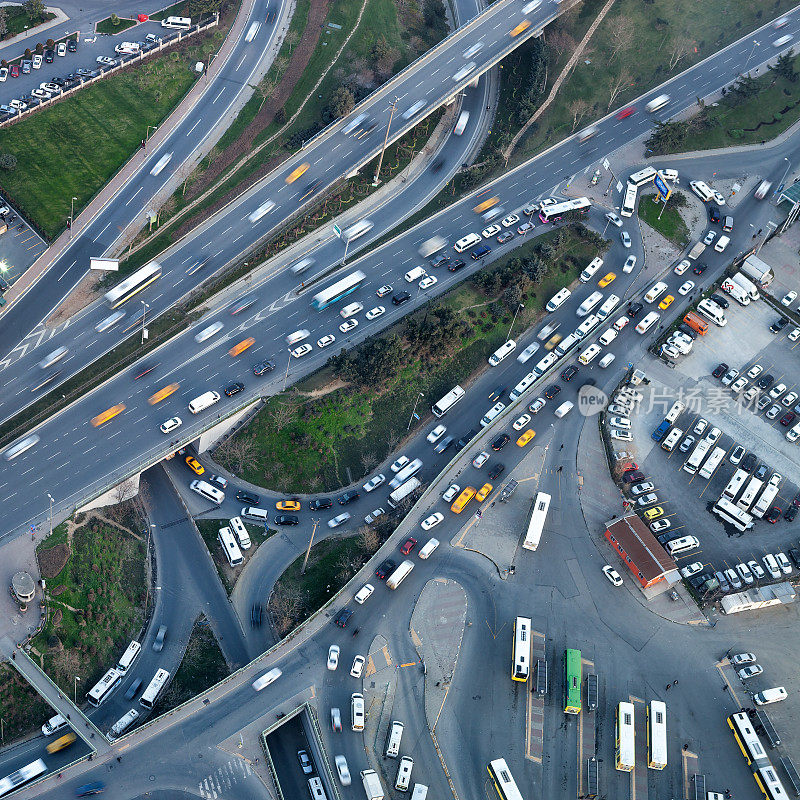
[[51, 513], [71, 215], [520, 306], [414, 411], [144, 313], [752, 50], [286, 376], [385, 140], [75, 690], [147, 133], [310, 542]]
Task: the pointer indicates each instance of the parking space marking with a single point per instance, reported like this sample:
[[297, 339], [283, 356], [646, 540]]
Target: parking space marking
[[689, 766], [587, 742]]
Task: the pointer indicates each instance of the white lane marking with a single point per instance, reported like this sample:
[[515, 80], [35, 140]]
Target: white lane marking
[[137, 192]]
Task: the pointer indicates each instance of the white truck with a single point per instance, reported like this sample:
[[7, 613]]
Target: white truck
[[758, 271], [372, 785], [747, 285], [731, 287]]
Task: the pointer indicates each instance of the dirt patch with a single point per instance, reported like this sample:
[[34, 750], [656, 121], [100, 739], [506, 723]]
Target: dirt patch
[[53, 560], [80, 297], [327, 389]]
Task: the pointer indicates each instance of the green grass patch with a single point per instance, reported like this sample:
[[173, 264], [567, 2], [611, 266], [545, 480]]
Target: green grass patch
[[177, 10], [18, 21], [670, 224], [114, 25], [21, 708], [96, 594], [203, 666], [304, 444]]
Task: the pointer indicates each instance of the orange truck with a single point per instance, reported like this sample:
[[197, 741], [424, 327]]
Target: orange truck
[[696, 322]]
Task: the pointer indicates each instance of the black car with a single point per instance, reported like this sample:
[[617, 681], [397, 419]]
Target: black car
[[634, 309], [765, 381], [256, 615], [773, 515], [385, 569], [318, 503], [58, 81], [697, 581], [442, 445], [551, 391], [761, 472], [145, 369], [440, 260], [690, 332], [497, 393], [457, 265], [49, 56], [500, 442], [720, 370], [796, 500], [133, 689], [234, 388], [496, 471], [263, 367], [749, 461], [794, 554], [72, 45], [699, 269], [667, 536], [248, 497], [788, 418], [790, 513], [348, 497], [465, 439], [286, 519], [400, 298], [569, 373], [713, 213], [311, 188], [719, 300], [342, 617], [779, 325]]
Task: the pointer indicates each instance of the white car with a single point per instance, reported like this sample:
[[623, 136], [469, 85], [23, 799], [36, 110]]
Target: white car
[[685, 288], [171, 424], [374, 483], [522, 422], [789, 400], [480, 459], [399, 464], [432, 521], [530, 350], [744, 572], [384, 290], [621, 323], [364, 593], [333, 657], [783, 563], [326, 340], [793, 335], [743, 658], [642, 488], [358, 666], [106, 61], [750, 672], [41, 94], [428, 281], [3, 73], [343, 770], [436, 434], [614, 219], [537, 405], [630, 261], [451, 492], [338, 520], [776, 391], [758, 571], [615, 408], [345, 327], [713, 435], [621, 436], [699, 426], [660, 525], [487, 233], [620, 422], [376, 312], [788, 298], [266, 679], [511, 219], [682, 266], [755, 371], [302, 350], [625, 238], [709, 237], [720, 200], [612, 575], [692, 569], [264, 208]]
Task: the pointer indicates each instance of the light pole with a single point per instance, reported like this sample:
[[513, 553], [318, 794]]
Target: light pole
[[75, 690], [520, 306], [385, 140], [147, 133], [286, 376], [414, 411], [753, 49], [144, 312], [51, 513], [147, 555], [783, 179], [71, 215], [310, 542]]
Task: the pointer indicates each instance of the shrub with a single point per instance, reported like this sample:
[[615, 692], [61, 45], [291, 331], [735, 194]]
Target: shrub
[[8, 161]]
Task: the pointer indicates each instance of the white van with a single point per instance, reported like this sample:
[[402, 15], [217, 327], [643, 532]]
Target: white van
[[208, 491], [671, 439], [240, 531], [470, 240], [504, 350], [181, 23], [608, 306], [655, 292], [589, 354], [589, 303], [710, 309], [206, 400], [702, 190], [782, 40], [546, 363], [564, 409], [302, 265], [297, 336], [415, 274], [357, 711], [316, 790], [255, 514], [393, 738], [658, 102], [557, 300], [208, 332], [127, 48], [606, 337], [53, 358], [763, 188], [682, 545], [589, 272], [54, 724], [589, 324], [564, 346], [606, 360], [403, 780], [350, 310], [648, 322], [492, 413], [428, 548], [770, 696], [228, 544], [722, 243]]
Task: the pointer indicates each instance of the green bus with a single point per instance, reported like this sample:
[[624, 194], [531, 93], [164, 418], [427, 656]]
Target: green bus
[[572, 681]]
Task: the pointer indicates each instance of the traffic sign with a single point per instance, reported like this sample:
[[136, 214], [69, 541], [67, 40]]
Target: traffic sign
[[619, 186], [606, 164], [661, 185], [337, 230]]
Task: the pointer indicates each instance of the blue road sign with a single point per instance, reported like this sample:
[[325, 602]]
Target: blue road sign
[[661, 185]]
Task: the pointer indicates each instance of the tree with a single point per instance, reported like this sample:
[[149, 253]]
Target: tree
[[667, 137], [578, 109], [342, 102], [617, 85], [382, 55], [198, 7], [34, 9], [236, 452], [3, 23], [50, 44], [291, 39], [434, 18], [680, 49], [8, 161], [114, 20], [784, 67], [621, 33]]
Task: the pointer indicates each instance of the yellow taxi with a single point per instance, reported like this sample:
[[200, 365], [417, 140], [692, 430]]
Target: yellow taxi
[[462, 500], [194, 465], [296, 173], [552, 341], [654, 513], [526, 437], [59, 744], [288, 505], [242, 346], [666, 302], [484, 492], [523, 26], [605, 280], [486, 205], [107, 415], [163, 394]]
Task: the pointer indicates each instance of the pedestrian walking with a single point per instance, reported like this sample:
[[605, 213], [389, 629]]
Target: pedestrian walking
[[674, 683], [686, 746], [667, 687], [119, 759], [560, 469], [562, 447]]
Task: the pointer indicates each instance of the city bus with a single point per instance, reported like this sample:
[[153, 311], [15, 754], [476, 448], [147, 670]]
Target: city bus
[[503, 780], [749, 494], [154, 689], [625, 744], [696, 458], [756, 757], [657, 735], [629, 203], [522, 649], [572, 681], [735, 484], [569, 209], [128, 657], [133, 284], [728, 512], [122, 724], [643, 176], [37, 768], [769, 783], [338, 290], [538, 515], [101, 691]]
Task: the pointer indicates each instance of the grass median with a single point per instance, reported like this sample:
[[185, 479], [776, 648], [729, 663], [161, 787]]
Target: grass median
[[114, 24], [667, 221]]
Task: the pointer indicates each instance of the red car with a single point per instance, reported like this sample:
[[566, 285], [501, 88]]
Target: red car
[[408, 546], [14, 70], [626, 112]]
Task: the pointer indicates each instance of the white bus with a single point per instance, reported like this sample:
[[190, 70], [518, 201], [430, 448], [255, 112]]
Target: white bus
[[735, 484], [21, 446], [713, 461], [227, 541], [181, 23], [128, 657], [21, 776], [625, 746], [133, 284], [122, 724], [728, 512], [502, 352], [646, 175], [522, 386], [358, 229], [400, 574], [338, 290], [101, 691], [749, 494], [503, 780], [674, 412], [408, 471], [470, 240], [154, 689], [569, 209], [589, 304], [696, 458], [400, 494], [657, 735], [557, 300], [448, 401], [629, 203], [657, 102], [521, 667], [765, 501], [538, 515]]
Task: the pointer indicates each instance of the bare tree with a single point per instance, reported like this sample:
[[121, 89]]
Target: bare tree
[[291, 40], [370, 539], [348, 565], [617, 85], [236, 452], [368, 461], [284, 413], [621, 32], [265, 89], [679, 50], [285, 606], [559, 42], [578, 108], [392, 439]]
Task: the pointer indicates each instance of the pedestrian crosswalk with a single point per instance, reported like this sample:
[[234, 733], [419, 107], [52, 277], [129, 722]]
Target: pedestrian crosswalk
[[222, 781]]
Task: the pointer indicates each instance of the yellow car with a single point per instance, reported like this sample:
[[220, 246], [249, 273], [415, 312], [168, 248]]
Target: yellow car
[[241, 347], [654, 513], [552, 341], [523, 26], [462, 500], [288, 505], [194, 465], [296, 173], [59, 744], [603, 282], [486, 205], [484, 492], [107, 415], [526, 437], [666, 302], [163, 394]]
